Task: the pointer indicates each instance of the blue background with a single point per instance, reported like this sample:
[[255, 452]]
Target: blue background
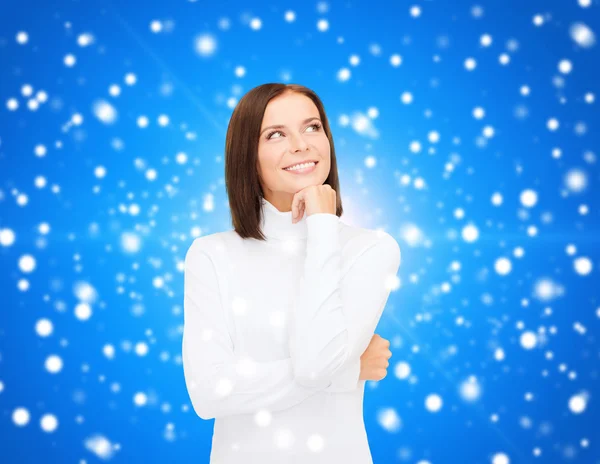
[[445, 322]]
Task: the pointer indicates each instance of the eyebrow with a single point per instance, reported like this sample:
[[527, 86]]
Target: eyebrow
[[281, 126]]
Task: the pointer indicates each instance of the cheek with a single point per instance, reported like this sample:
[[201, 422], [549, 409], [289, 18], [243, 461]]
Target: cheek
[[269, 162]]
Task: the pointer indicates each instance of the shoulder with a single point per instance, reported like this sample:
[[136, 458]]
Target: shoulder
[[210, 246], [359, 240]]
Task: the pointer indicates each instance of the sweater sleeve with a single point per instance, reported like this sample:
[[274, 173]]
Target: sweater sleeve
[[336, 315], [220, 383]]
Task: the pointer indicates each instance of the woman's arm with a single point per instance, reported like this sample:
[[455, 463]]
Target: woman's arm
[[335, 316], [219, 383]]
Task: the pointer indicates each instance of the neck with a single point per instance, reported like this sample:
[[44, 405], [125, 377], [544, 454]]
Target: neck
[[278, 224]]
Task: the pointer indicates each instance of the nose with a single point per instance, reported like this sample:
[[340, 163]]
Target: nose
[[299, 145]]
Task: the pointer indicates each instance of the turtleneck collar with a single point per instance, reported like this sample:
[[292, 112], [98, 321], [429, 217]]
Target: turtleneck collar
[[278, 224]]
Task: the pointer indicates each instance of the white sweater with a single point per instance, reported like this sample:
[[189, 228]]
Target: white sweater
[[273, 334]]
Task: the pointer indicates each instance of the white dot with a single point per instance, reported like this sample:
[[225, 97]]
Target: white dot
[[100, 172], [315, 443], [500, 458], [151, 174], [528, 340], [83, 311], [7, 237], [283, 438], [577, 404], [44, 327], [470, 389], [402, 370], [262, 418], [478, 112], [40, 150], [396, 60], [22, 199], [415, 11], [290, 16], [12, 104], [142, 121], [49, 423], [415, 146], [223, 387], [163, 120], [104, 111], [255, 24], [53, 364], [470, 233], [69, 60], [114, 90], [141, 348], [322, 25], [130, 78], [109, 351], [497, 199], [389, 420], [552, 124], [576, 180], [433, 403], [77, 119], [406, 98], [583, 265], [240, 71], [130, 242], [140, 399], [40, 181], [485, 40], [205, 45], [85, 39], [582, 35], [470, 64], [156, 26], [27, 263], [528, 198], [343, 74], [370, 161], [565, 66], [181, 158], [22, 37], [503, 266], [20, 417]]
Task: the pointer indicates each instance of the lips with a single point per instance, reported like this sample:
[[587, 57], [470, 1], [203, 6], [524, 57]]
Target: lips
[[301, 162]]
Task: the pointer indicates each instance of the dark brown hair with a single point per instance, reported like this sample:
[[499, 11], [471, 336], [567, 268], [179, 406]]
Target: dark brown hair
[[241, 156]]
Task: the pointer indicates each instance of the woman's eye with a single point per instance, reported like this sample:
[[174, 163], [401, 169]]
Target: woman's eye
[[316, 126]]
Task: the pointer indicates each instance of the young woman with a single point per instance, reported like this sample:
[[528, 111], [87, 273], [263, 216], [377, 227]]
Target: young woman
[[280, 312]]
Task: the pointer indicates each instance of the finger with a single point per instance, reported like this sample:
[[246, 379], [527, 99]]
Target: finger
[[298, 197], [299, 214]]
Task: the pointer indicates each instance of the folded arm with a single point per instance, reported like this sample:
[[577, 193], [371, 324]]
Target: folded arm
[[336, 315], [220, 383]]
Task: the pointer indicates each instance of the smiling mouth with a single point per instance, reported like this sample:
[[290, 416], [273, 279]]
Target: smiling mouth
[[315, 164]]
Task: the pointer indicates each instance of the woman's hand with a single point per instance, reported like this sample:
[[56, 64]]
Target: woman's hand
[[313, 199], [374, 361]]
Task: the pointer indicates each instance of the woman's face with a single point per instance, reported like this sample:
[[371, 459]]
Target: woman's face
[[297, 141]]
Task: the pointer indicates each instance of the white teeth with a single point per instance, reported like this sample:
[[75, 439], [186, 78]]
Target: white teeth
[[299, 166]]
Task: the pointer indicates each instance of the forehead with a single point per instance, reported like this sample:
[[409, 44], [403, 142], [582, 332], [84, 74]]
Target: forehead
[[289, 110]]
